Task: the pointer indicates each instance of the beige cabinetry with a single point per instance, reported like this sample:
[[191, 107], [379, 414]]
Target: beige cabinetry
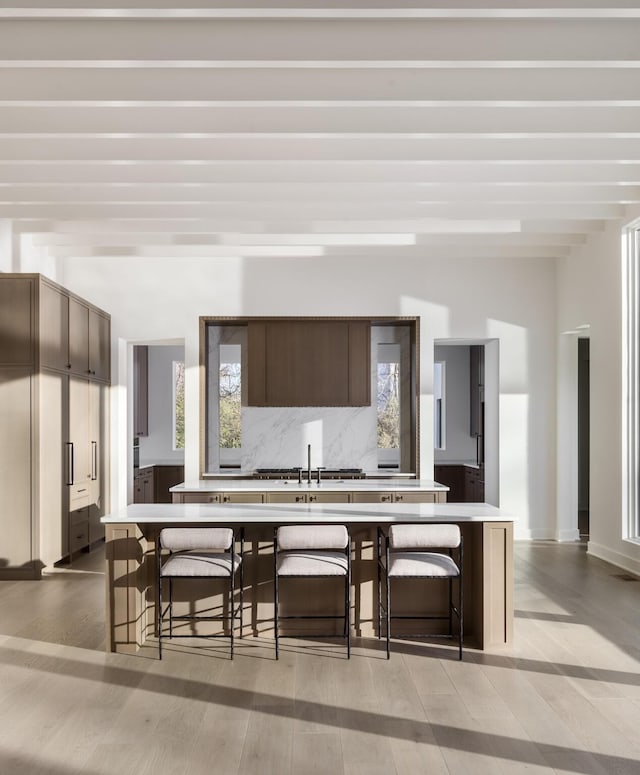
[[311, 497], [53, 447], [73, 337], [309, 363], [297, 496], [219, 497]]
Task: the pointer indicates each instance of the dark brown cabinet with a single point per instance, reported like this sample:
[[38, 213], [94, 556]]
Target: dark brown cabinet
[[151, 483], [476, 389], [309, 363], [140, 390], [466, 483], [143, 486], [164, 478]]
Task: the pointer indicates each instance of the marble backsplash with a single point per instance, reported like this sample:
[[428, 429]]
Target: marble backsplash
[[340, 437]]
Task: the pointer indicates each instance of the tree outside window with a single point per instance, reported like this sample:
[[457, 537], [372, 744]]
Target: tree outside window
[[389, 405], [178, 404], [230, 395]]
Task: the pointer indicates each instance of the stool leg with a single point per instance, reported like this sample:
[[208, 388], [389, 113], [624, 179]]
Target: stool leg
[[170, 607], [347, 602], [232, 601], [379, 587], [159, 615], [275, 598], [388, 591], [241, 580]]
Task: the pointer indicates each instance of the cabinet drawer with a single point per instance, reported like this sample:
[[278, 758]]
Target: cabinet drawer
[[78, 536], [196, 497]]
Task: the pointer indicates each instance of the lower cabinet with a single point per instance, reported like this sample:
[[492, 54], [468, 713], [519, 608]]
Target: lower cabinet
[[84, 529], [143, 486], [466, 483]]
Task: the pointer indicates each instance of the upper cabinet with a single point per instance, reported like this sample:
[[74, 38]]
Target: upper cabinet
[[74, 337], [476, 389], [309, 362], [16, 322], [140, 390]]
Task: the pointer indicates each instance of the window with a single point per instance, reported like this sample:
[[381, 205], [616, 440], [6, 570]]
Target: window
[[178, 404], [230, 393], [388, 405], [631, 380]]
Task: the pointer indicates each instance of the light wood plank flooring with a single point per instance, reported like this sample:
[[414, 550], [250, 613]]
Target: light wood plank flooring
[[565, 699]]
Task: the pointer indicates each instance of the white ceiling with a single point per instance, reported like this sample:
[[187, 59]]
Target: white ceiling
[[309, 128]]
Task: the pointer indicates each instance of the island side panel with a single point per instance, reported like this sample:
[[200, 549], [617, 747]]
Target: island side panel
[[127, 585], [497, 602]]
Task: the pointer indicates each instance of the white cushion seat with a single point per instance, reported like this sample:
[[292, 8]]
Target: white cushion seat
[[196, 563], [312, 563], [422, 565]]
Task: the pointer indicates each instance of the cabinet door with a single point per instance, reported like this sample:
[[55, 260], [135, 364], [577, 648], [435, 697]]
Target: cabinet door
[[78, 529], [414, 497], [15, 467], [53, 495], [197, 497], [16, 321], [330, 497], [99, 340], [309, 363], [372, 497], [286, 497], [78, 446], [54, 328], [242, 497], [164, 478], [78, 337], [97, 399], [140, 390]]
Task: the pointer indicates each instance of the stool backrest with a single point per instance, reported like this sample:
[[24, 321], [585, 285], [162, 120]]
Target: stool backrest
[[179, 539], [292, 537], [424, 536]]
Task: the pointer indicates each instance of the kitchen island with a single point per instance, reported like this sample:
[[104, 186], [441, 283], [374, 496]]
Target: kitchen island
[[131, 535]]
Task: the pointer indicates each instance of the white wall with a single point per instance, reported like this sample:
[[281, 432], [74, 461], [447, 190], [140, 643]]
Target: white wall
[[511, 300], [589, 293]]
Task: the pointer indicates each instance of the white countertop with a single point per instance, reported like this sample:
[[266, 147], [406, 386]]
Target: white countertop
[[352, 513], [328, 485]]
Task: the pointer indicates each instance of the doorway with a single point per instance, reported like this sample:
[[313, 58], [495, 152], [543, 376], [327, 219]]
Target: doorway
[[583, 437], [466, 404]]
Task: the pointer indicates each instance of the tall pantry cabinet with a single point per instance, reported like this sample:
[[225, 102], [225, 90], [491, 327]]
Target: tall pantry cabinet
[[54, 381]]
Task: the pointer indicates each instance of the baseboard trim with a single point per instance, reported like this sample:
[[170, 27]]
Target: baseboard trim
[[618, 559]]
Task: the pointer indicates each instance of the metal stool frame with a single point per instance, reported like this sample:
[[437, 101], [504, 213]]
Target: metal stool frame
[[386, 606], [347, 600], [235, 611]]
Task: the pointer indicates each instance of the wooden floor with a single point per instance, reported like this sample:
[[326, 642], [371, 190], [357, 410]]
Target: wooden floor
[[565, 699]]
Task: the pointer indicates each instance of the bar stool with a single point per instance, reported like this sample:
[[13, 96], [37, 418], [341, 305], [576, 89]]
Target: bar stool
[[199, 553], [406, 556], [312, 551]]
